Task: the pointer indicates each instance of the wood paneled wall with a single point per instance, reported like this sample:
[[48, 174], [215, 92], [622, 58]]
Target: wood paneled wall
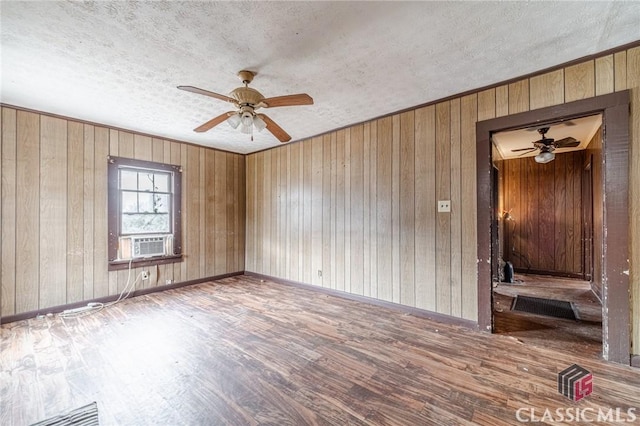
[[359, 204], [54, 210], [545, 202]]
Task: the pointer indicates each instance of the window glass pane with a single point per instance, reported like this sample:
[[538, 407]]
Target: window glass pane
[[145, 202], [145, 181], [161, 203], [161, 182], [145, 223], [128, 179], [129, 202]]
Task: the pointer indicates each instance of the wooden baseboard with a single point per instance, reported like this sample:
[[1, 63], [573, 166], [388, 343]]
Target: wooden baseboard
[[635, 361], [422, 313], [107, 299]]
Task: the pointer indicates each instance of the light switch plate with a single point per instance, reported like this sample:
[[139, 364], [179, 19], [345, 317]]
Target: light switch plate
[[444, 206]]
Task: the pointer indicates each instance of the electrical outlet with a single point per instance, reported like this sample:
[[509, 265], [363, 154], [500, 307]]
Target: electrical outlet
[[145, 275], [168, 281], [444, 206], [319, 273]]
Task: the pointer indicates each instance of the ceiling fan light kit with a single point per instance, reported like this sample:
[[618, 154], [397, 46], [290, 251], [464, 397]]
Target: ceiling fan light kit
[[247, 100], [545, 156], [547, 146]]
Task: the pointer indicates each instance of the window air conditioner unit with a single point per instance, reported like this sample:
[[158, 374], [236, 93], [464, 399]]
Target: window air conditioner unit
[[145, 246]]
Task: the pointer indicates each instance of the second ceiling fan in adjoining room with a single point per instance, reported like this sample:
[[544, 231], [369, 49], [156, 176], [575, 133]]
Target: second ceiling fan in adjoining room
[[547, 146]]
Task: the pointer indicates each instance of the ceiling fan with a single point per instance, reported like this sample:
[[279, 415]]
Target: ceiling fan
[[547, 146], [247, 101]]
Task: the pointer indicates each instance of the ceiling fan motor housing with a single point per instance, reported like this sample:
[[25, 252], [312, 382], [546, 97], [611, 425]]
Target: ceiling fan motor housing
[[247, 96]]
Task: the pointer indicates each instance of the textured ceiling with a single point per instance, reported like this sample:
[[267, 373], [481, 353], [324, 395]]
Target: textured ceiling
[[118, 63]]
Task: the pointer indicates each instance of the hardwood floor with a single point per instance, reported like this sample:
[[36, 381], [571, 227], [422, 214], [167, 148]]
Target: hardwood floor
[[583, 336], [240, 351]]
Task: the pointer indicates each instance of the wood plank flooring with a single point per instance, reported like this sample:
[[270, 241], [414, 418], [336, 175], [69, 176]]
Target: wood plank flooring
[[241, 351]]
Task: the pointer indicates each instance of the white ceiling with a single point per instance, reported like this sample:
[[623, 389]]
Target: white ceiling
[[118, 63], [582, 129]]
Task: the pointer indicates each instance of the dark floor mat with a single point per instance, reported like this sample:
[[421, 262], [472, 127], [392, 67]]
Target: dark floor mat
[[547, 307]]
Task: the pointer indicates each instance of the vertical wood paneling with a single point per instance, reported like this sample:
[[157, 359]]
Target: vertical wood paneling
[[407, 209], [27, 211], [75, 213], [633, 72], [546, 204], [560, 206], [347, 210], [283, 172], [100, 275], [192, 252], [357, 210], [620, 71], [316, 211], [547, 89], [425, 204], [579, 81], [531, 228], [340, 214], [395, 210], [373, 203], [266, 214], [333, 137], [306, 214], [296, 201], [384, 235], [366, 207], [276, 196], [468, 115], [53, 211], [217, 230], [240, 187], [517, 98], [502, 99], [211, 206], [327, 266], [142, 148], [486, 104], [443, 192], [251, 216], [8, 212], [88, 195], [185, 217], [456, 211], [604, 75], [207, 233], [230, 226]]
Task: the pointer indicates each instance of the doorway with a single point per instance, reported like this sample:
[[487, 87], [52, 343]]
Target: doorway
[[614, 208], [545, 216]]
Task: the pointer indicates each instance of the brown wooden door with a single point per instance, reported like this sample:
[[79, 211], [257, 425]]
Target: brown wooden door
[[587, 219]]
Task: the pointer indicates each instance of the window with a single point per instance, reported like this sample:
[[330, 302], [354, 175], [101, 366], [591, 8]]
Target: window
[[144, 213]]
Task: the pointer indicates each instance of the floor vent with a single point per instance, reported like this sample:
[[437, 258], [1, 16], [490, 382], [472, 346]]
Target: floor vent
[[546, 307]]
